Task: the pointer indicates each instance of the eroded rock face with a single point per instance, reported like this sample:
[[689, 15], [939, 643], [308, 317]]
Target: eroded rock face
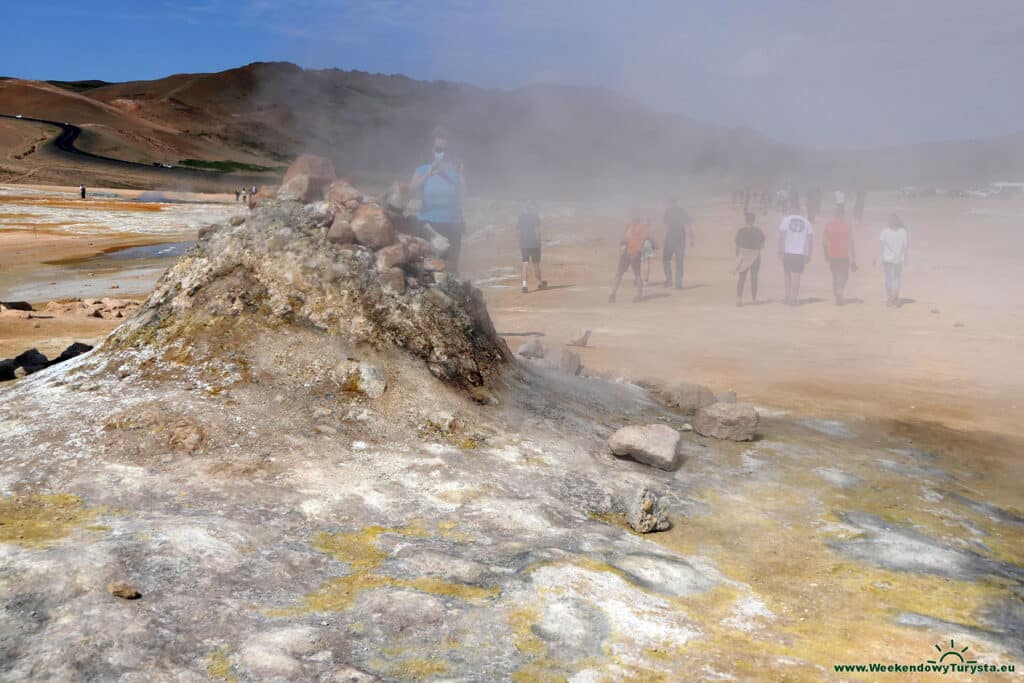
[[656, 445], [733, 421], [278, 272]]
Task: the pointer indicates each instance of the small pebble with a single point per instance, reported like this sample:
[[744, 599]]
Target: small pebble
[[123, 590]]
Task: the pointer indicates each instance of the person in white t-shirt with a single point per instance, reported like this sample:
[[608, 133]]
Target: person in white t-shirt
[[840, 198], [894, 256], [796, 241]]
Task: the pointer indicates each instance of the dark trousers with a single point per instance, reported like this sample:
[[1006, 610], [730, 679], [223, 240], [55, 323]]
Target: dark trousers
[[453, 233], [676, 249], [754, 269], [840, 275]]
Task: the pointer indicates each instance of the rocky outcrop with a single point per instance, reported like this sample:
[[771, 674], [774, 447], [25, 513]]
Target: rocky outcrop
[[656, 445], [290, 267], [106, 308], [732, 421]]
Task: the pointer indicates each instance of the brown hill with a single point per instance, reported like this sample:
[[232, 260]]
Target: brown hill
[[538, 138]]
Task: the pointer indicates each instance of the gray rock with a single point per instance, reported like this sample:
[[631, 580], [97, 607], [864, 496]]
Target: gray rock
[[581, 338], [645, 514], [569, 362], [687, 397], [531, 349], [360, 377], [656, 445], [733, 421], [438, 242], [350, 674], [372, 381], [125, 591]]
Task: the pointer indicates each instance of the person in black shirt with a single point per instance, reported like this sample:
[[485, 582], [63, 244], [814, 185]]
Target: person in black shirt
[[677, 220], [749, 243]]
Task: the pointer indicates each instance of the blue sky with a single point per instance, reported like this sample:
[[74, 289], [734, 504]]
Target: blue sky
[[824, 72]]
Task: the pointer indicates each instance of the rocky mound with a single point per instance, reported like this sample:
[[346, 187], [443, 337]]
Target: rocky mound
[[320, 268]]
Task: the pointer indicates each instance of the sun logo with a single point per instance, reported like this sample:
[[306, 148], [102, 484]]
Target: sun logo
[[952, 652]]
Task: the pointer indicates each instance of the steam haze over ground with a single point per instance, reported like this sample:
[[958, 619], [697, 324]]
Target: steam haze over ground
[[845, 74], [272, 448]]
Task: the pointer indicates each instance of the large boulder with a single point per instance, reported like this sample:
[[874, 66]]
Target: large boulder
[[76, 349], [341, 232], [732, 421], [371, 227], [306, 179], [340, 192], [31, 361], [318, 169], [645, 514], [301, 188], [656, 445], [391, 256]]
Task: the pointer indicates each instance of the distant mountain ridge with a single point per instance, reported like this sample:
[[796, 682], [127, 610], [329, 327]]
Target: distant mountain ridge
[[531, 138]]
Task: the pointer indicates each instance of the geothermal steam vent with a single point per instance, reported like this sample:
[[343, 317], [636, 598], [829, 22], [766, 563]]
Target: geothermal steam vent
[[309, 286]]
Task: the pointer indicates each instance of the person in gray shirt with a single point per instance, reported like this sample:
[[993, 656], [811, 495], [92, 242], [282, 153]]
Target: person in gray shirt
[[529, 244]]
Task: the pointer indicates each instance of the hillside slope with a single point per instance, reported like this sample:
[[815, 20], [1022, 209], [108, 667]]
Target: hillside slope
[[533, 139]]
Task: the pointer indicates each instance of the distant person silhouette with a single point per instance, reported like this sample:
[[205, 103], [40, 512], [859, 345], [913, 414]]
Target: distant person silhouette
[[528, 226], [631, 249], [858, 206], [677, 220], [813, 203], [894, 256], [840, 253], [81, 191], [749, 243]]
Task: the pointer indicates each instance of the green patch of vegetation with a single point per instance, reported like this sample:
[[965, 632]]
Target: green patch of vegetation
[[79, 86], [230, 166]]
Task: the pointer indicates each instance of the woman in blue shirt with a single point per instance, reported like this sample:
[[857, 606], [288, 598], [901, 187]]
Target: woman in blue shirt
[[441, 186]]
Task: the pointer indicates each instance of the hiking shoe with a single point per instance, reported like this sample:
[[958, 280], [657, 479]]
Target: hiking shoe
[[611, 298], [543, 284], [638, 298], [525, 289]]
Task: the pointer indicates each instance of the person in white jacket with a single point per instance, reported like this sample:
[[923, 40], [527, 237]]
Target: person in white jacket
[[893, 240]]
